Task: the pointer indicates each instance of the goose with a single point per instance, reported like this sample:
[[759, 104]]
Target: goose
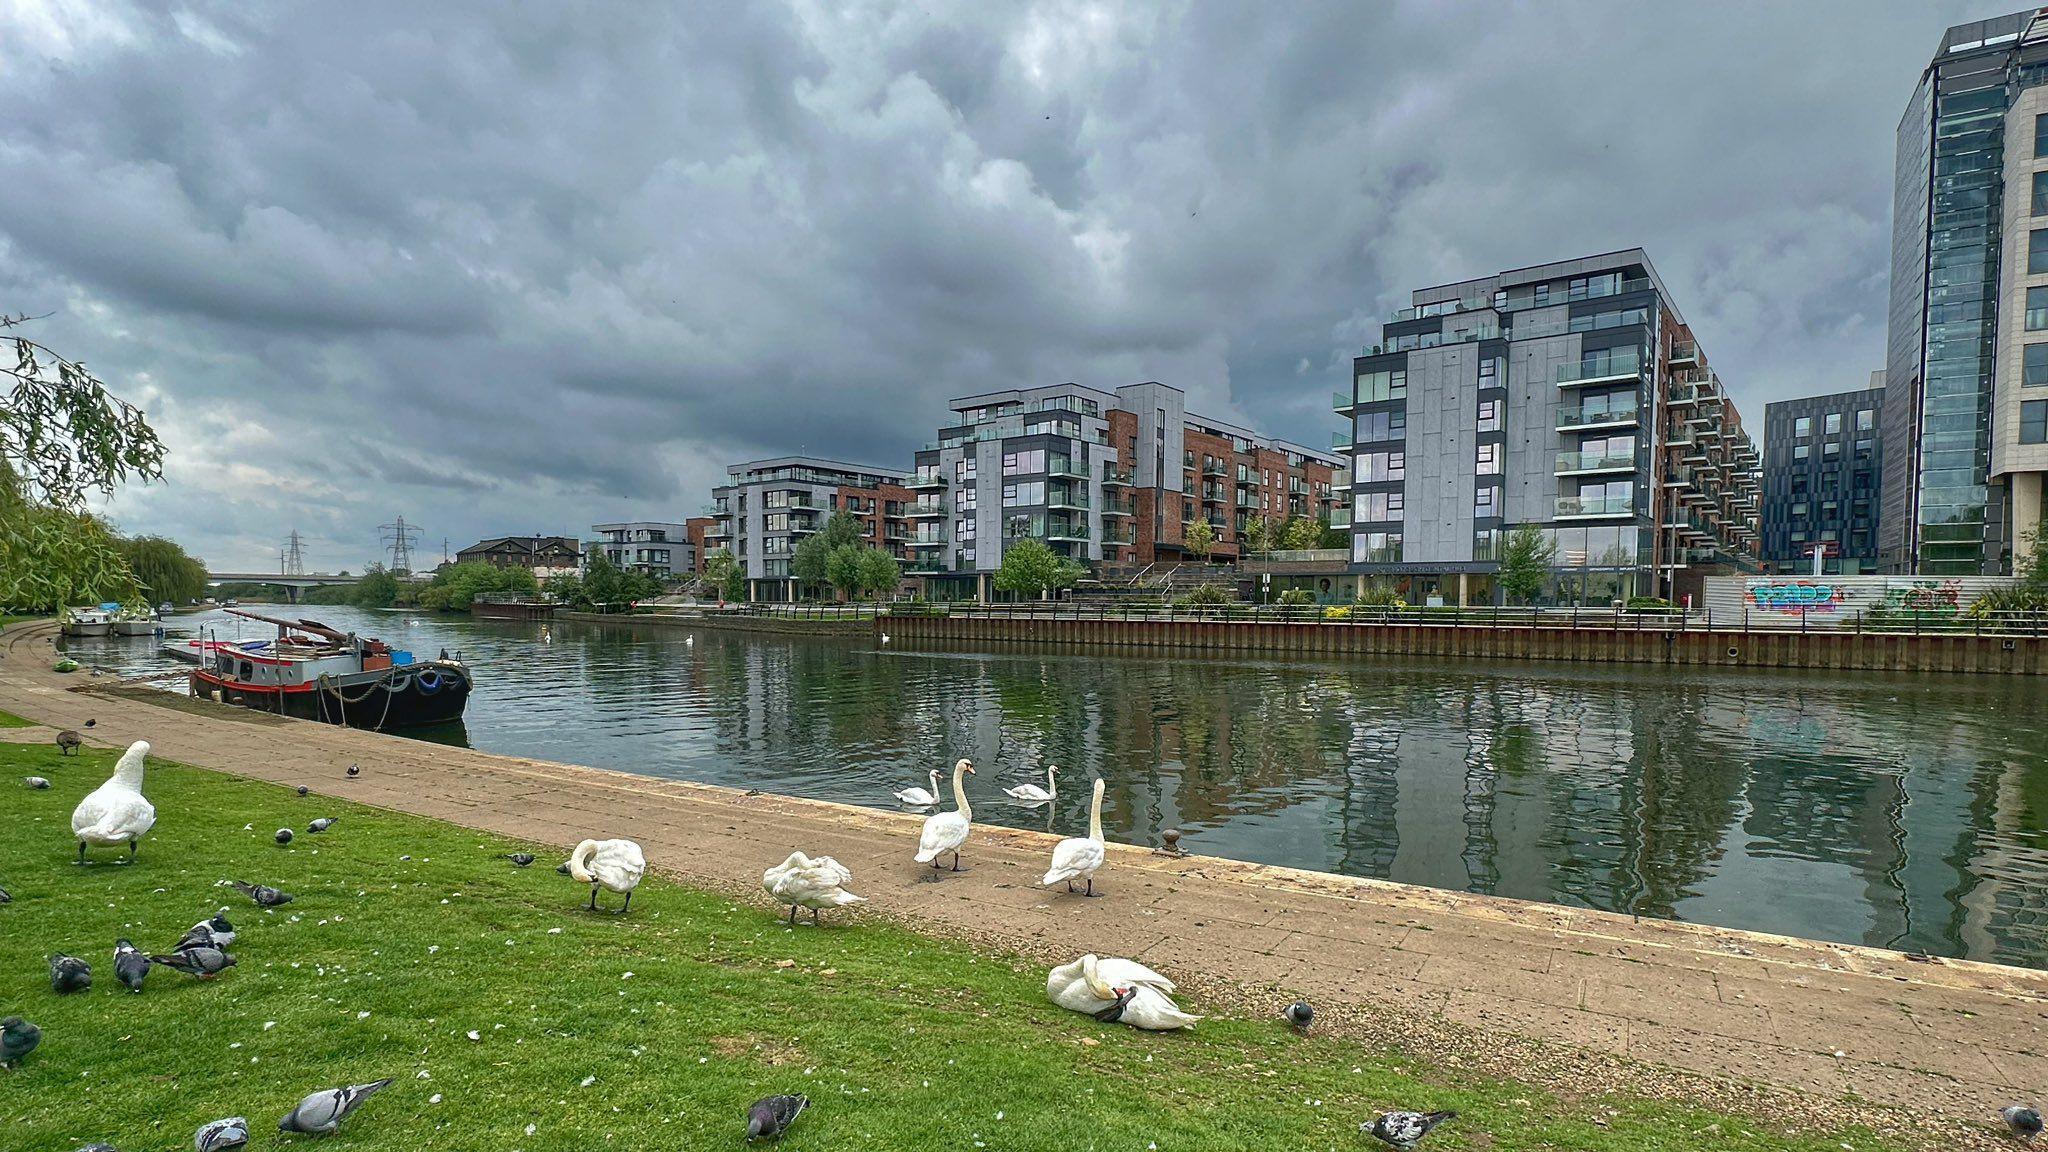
[[801, 881], [946, 831], [116, 813], [1077, 857], [1117, 991], [614, 864], [916, 797], [1032, 793]]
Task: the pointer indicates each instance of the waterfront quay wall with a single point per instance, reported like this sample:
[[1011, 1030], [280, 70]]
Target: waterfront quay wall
[[1648, 644], [784, 625]]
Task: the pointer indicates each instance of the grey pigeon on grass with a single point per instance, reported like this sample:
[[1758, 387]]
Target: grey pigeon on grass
[[1405, 1130], [202, 960], [5, 898], [322, 824], [35, 782], [519, 859], [262, 894], [323, 1111], [18, 1038], [221, 1135], [69, 973], [771, 1116], [216, 932], [2022, 1121], [130, 966], [1299, 1014]]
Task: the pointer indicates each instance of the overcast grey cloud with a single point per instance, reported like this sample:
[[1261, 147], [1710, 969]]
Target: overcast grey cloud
[[512, 268]]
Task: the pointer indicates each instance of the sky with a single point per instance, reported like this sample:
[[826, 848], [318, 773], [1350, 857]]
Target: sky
[[513, 268]]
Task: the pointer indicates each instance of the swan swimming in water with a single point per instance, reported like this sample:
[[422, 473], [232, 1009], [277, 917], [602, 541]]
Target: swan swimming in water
[[116, 812], [916, 797], [946, 831], [1032, 793], [617, 865]]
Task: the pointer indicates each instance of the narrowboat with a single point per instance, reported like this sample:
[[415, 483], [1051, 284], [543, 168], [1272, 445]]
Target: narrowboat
[[319, 673]]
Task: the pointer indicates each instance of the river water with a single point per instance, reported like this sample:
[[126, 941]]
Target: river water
[[1906, 812]]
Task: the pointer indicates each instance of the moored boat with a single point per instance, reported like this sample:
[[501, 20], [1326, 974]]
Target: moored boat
[[87, 621], [135, 620], [315, 672]]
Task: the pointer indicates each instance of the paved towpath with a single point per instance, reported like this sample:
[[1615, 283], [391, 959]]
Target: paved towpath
[[1953, 1038]]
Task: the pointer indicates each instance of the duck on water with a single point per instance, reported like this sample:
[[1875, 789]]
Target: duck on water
[[315, 672]]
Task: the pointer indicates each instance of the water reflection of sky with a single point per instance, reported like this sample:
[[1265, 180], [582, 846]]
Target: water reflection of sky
[[1906, 812]]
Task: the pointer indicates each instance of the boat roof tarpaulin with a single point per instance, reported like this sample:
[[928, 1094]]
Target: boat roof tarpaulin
[[313, 628]]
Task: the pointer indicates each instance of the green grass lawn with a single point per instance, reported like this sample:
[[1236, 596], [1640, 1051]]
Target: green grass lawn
[[649, 1031]]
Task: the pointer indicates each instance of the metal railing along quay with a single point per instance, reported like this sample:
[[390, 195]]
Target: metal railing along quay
[[1905, 623]]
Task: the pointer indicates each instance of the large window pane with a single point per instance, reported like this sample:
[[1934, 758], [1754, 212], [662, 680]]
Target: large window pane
[[2034, 422], [2037, 251], [2036, 370], [2037, 308]]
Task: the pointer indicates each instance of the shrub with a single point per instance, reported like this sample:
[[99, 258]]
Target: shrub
[[1295, 598], [1649, 604], [1380, 598], [1337, 612], [1206, 596]]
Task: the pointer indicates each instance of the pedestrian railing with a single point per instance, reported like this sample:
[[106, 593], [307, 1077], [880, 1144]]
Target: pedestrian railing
[[1902, 622]]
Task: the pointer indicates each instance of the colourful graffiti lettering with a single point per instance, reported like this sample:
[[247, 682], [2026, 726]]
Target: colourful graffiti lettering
[[1794, 596], [1926, 597]]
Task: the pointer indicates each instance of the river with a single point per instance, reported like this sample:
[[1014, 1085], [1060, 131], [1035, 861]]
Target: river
[[1905, 812]]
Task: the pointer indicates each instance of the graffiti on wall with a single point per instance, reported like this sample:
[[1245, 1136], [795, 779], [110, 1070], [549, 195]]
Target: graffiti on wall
[[1925, 597], [1795, 595]]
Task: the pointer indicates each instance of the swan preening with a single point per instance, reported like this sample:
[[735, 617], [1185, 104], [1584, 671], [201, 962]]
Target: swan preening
[[946, 831], [1117, 991], [805, 882], [1032, 793], [1078, 857], [614, 864], [916, 797], [116, 813]]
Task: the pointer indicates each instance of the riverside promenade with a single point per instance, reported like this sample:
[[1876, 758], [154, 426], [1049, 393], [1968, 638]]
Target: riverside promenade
[[1574, 999]]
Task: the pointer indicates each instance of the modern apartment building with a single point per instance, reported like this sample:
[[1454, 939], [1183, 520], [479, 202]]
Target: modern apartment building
[[1823, 463], [771, 505], [1966, 382], [1107, 478], [1569, 396], [655, 547]]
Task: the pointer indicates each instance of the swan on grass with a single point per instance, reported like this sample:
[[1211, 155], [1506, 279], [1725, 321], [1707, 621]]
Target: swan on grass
[[805, 882], [1078, 857], [116, 813], [616, 865], [1032, 793], [916, 797], [946, 831], [1117, 991]]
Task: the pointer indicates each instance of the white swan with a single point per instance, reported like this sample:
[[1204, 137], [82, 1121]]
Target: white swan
[[116, 812], [801, 881], [1032, 793], [1078, 857], [920, 798], [1115, 990], [946, 831], [614, 864]]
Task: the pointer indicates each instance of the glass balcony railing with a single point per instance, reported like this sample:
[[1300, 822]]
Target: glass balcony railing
[[1600, 461], [1342, 402], [924, 509], [1685, 352], [1062, 466], [1341, 441], [1615, 412], [1111, 506], [1069, 498], [927, 480], [1115, 534], [1568, 506], [1116, 475], [1621, 365]]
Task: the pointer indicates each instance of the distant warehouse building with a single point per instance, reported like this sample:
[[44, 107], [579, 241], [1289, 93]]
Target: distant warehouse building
[[545, 555], [1570, 397], [1823, 467]]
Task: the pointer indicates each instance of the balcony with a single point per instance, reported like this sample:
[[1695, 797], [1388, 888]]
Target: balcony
[[1114, 507], [924, 480], [923, 543], [1115, 477], [1343, 403], [1119, 534], [1593, 508], [1062, 466], [924, 510], [1620, 412], [716, 532], [1685, 352], [1585, 463], [1068, 500], [1340, 480], [1213, 468], [1067, 533], [1601, 370], [1340, 441]]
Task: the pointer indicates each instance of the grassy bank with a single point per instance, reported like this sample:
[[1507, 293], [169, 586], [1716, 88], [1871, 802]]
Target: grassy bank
[[652, 1030]]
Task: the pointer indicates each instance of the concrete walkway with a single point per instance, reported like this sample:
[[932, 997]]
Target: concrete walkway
[[1453, 974]]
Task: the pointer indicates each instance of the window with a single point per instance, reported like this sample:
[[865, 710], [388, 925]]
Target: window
[[1485, 502], [1864, 445], [1377, 506], [1373, 426], [1489, 372], [1802, 427], [1489, 460], [2035, 371], [1023, 463], [1376, 548], [1801, 451], [2034, 421], [2037, 251], [1542, 295], [1389, 385], [1866, 419], [1489, 415], [1376, 466], [1026, 493], [2041, 135], [1834, 424], [2041, 194], [1830, 449]]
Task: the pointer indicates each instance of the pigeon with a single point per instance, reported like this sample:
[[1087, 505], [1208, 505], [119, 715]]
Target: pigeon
[[284, 836], [355, 770], [69, 742], [69, 973], [323, 1111], [216, 933], [1299, 1014], [90, 722], [221, 1135], [36, 782], [322, 824], [2022, 1121], [130, 966], [18, 1038], [519, 859], [263, 894], [1405, 1130], [5, 898], [770, 1116], [303, 789], [202, 960]]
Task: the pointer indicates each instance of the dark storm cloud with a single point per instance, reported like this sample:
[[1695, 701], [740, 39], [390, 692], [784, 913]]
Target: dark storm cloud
[[523, 268]]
